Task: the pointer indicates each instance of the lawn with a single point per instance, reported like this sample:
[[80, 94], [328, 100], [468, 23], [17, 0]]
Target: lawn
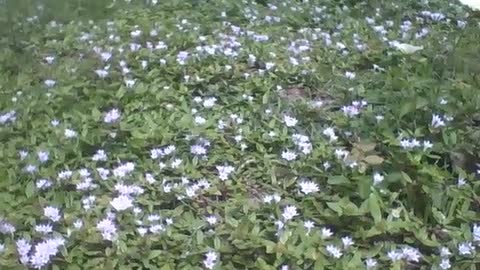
[[227, 134]]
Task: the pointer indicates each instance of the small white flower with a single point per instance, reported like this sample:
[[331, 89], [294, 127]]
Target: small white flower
[[70, 133], [326, 233], [289, 155], [334, 251], [44, 228], [43, 156], [309, 225], [289, 212], [377, 178], [445, 264], [50, 83], [370, 263], [437, 121], [210, 260], [212, 220], [308, 187], [112, 116], [52, 213], [465, 248], [350, 75], [290, 121], [445, 252], [199, 120], [78, 224], [209, 102], [122, 203], [347, 241], [395, 255]]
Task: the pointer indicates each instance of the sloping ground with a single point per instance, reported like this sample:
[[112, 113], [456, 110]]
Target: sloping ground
[[239, 135]]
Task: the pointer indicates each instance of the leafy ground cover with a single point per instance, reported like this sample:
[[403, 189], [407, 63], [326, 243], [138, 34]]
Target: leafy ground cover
[[239, 135]]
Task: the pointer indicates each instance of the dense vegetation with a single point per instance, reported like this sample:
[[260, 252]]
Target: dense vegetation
[[232, 134]]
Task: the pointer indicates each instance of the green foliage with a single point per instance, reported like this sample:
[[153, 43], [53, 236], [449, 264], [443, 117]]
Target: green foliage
[[372, 178]]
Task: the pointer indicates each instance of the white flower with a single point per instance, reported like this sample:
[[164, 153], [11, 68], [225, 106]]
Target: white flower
[[199, 120], [224, 171], [370, 263], [44, 228], [52, 213], [70, 133], [445, 264], [211, 220], [395, 255], [350, 75], [289, 155], [347, 241], [122, 203], [44, 251], [176, 163], [210, 260], [112, 116], [334, 251], [78, 224], [465, 248], [43, 184], [437, 121], [2, 248], [50, 83], [290, 121], [330, 133], [407, 48], [198, 150], [100, 156], [326, 233], [209, 102], [309, 225], [411, 254], [43, 156], [377, 178], [107, 228], [308, 187], [445, 252], [289, 212]]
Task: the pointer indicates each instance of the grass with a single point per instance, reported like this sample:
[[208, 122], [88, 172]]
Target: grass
[[239, 135]]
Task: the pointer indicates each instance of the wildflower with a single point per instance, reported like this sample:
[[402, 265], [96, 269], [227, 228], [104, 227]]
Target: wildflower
[[198, 150], [107, 228], [445, 252], [445, 264], [43, 156], [99, 155], [78, 224], [334, 251], [224, 171], [50, 83], [209, 102], [411, 254], [70, 133], [326, 233], [52, 213], [394, 255], [347, 241], [112, 116], [176, 163], [377, 178], [437, 121], [211, 220], [43, 184], [210, 260], [199, 120], [350, 75], [289, 212], [330, 133], [290, 121], [2, 248], [308, 187], [289, 155], [122, 203], [476, 232], [370, 263], [465, 248], [309, 225], [23, 248]]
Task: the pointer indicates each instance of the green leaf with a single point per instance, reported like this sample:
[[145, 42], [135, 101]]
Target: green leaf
[[374, 207], [335, 207], [374, 160], [338, 180], [30, 189]]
